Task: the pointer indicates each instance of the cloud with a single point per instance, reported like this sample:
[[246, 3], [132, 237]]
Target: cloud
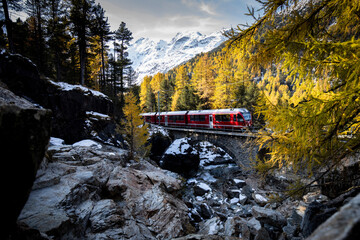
[[207, 8]]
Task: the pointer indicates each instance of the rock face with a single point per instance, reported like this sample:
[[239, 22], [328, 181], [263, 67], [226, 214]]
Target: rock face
[[78, 112], [90, 191], [24, 135], [342, 225]]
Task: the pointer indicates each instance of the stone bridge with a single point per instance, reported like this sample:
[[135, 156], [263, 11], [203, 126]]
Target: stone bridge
[[237, 144]]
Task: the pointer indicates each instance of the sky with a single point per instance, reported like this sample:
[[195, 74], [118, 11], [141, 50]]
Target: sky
[[162, 19]]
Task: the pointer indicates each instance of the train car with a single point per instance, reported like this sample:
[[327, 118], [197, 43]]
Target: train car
[[149, 117], [173, 119], [200, 119], [233, 119]]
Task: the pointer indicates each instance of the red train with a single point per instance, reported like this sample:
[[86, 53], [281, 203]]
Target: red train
[[232, 119]]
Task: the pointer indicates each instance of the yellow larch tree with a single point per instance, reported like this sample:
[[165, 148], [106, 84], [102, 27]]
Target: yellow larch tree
[[135, 129]]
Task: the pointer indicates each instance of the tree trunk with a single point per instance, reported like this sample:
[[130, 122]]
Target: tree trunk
[[8, 24]]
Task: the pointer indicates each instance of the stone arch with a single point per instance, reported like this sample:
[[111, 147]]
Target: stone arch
[[235, 146]]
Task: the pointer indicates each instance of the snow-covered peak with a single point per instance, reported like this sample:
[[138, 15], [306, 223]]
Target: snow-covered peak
[[151, 57]]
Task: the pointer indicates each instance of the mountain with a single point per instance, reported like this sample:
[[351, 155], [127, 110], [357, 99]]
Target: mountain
[[151, 57]]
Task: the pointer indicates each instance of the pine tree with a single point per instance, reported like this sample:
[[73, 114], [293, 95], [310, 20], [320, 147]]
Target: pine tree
[[136, 133], [123, 36], [36, 10], [165, 95], [316, 46], [57, 24], [6, 6], [80, 16], [101, 28]]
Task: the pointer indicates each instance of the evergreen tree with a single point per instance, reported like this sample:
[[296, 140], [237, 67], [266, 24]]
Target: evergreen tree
[[6, 6], [123, 36], [136, 133], [130, 77], [80, 16], [165, 95], [101, 28], [58, 37], [36, 10]]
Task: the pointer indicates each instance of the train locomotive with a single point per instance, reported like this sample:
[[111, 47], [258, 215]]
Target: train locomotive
[[228, 119]]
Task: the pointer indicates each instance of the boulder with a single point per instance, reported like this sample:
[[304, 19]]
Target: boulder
[[90, 191], [262, 234], [181, 158], [316, 213], [342, 178], [24, 135], [159, 144], [201, 188], [342, 225], [268, 216], [260, 199]]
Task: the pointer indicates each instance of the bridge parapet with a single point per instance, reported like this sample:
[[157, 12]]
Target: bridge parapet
[[236, 144]]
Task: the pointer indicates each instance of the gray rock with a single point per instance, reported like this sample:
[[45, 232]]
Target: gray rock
[[315, 214], [262, 234], [247, 191], [95, 196], [342, 225], [211, 226], [269, 216], [24, 135], [201, 188], [260, 199], [181, 157], [105, 214]]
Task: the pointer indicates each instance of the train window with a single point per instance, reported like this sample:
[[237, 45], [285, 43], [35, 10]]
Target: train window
[[199, 118], [222, 118], [247, 116], [239, 117]]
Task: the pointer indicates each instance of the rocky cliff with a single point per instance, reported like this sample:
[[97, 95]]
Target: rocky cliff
[[24, 135], [78, 112]]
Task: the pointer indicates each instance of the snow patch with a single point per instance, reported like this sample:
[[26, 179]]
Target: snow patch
[[69, 87], [180, 146], [87, 143], [98, 115], [56, 141]]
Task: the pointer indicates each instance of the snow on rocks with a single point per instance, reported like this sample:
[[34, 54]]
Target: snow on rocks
[[181, 157], [260, 199], [181, 146], [56, 141], [96, 116], [201, 188], [70, 87], [87, 143]]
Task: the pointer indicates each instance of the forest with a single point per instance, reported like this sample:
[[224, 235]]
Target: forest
[[69, 41]]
